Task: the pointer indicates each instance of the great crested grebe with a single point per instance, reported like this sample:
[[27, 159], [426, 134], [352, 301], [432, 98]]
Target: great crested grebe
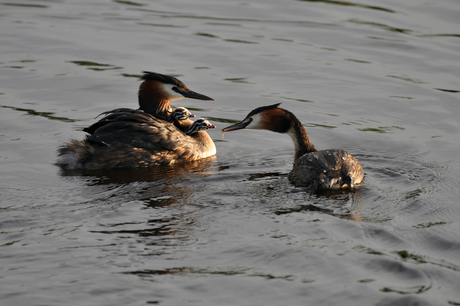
[[154, 134], [325, 169]]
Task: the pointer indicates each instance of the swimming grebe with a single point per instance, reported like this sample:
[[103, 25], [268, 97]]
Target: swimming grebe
[[154, 134], [325, 169]]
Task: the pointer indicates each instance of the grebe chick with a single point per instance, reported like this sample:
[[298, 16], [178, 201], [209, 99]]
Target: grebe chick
[[179, 114], [199, 125], [325, 169]]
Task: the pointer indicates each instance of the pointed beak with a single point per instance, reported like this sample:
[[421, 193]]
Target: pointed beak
[[237, 126], [193, 95]]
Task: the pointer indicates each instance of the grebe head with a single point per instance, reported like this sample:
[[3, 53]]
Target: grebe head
[[200, 125], [278, 120], [158, 90], [268, 117], [180, 113]]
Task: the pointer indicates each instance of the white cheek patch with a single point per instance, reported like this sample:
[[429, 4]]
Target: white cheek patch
[[256, 122], [171, 93]]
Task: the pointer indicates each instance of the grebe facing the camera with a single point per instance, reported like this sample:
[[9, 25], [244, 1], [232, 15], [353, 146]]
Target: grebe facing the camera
[[325, 169], [154, 134]]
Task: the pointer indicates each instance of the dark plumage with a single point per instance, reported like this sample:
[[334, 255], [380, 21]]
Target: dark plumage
[[135, 139]]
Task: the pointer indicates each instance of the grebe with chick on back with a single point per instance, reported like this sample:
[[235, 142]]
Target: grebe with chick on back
[[154, 134], [316, 170]]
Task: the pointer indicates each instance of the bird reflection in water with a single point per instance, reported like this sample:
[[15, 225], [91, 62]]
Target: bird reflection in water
[[335, 202], [156, 186]]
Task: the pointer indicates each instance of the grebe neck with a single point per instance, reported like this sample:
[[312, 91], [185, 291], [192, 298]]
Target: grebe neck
[[300, 137], [160, 107]]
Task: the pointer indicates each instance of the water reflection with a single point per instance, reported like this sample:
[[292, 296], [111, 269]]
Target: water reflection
[[176, 235], [380, 25], [96, 66], [346, 3], [382, 129], [32, 112], [154, 186], [225, 272], [128, 3], [165, 231], [160, 200], [147, 174], [341, 203], [26, 5]]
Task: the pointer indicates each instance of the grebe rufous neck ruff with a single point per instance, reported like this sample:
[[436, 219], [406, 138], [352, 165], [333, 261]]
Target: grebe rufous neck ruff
[[155, 134], [325, 169]]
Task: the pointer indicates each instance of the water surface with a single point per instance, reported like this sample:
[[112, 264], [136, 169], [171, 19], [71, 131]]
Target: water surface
[[377, 78]]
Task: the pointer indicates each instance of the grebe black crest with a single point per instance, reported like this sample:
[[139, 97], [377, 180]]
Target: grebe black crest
[[325, 169]]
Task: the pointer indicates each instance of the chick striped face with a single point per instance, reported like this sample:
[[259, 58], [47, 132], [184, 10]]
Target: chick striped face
[[180, 113], [200, 125]]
